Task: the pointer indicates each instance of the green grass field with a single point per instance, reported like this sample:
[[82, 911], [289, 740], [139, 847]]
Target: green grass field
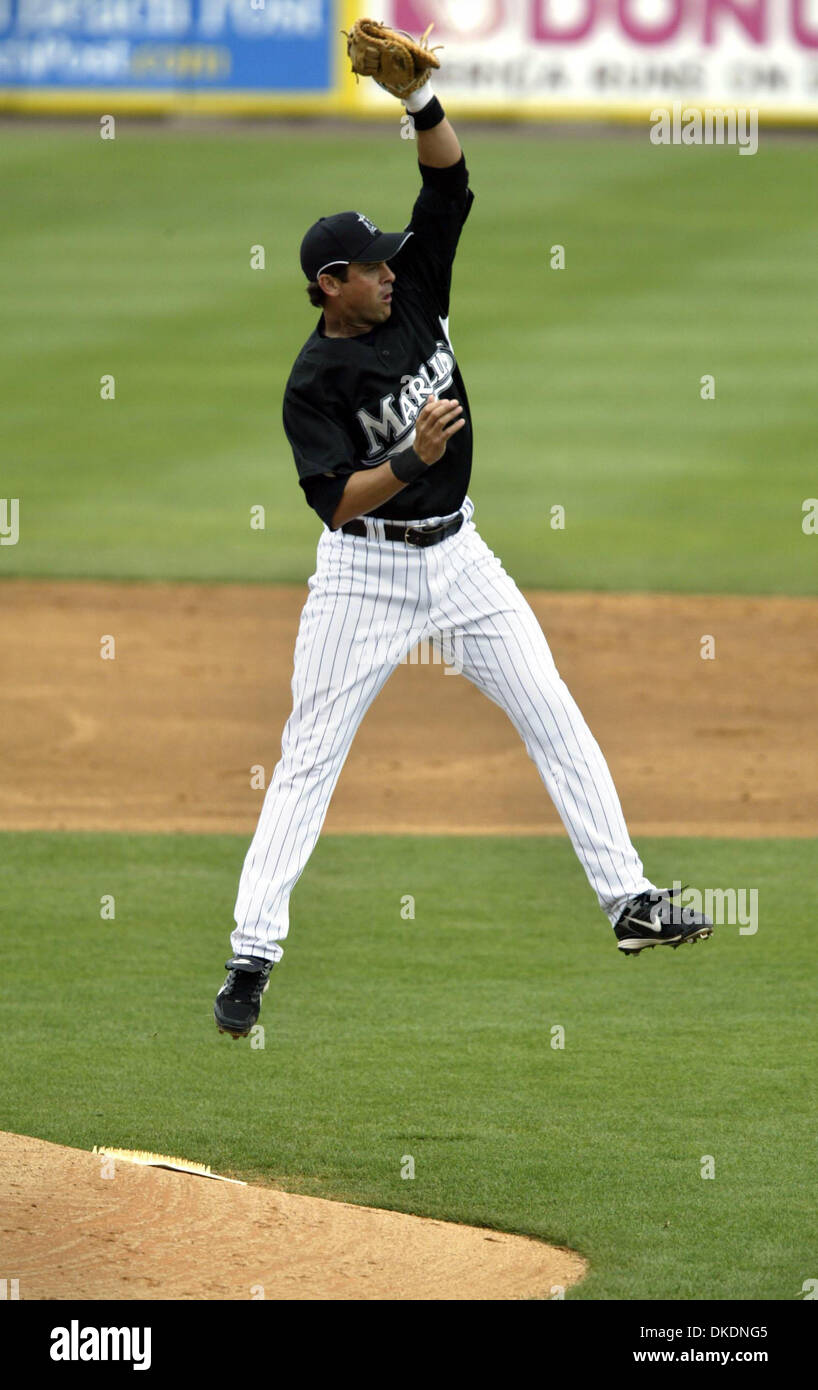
[[432, 1037], [132, 257]]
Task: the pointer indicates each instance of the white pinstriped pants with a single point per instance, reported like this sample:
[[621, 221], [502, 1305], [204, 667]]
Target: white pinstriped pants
[[370, 602]]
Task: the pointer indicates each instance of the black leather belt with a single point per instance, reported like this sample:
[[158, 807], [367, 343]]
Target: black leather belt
[[411, 535]]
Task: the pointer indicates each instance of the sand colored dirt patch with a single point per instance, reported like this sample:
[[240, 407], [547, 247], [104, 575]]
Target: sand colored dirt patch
[[68, 1233], [164, 736]]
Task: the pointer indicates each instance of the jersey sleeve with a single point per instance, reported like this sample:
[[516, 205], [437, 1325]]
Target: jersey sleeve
[[438, 218], [323, 452], [324, 493], [319, 443]]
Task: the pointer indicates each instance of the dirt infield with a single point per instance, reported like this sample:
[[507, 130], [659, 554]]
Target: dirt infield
[[149, 1233], [164, 736]]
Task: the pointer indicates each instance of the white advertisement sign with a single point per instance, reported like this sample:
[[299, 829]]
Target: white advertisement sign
[[567, 57]]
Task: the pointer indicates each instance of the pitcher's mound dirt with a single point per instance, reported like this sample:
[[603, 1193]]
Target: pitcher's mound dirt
[[66, 1232]]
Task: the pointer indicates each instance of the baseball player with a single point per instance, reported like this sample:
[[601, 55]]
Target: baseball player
[[378, 419]]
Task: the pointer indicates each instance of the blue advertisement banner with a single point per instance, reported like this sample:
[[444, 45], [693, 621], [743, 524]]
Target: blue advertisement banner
[[253, 46]]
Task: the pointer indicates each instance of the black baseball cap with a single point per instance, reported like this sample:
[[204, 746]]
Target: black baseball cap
[[346, 237]]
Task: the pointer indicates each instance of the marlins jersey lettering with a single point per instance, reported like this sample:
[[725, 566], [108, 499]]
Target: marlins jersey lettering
[[393, 428], [352, 403]]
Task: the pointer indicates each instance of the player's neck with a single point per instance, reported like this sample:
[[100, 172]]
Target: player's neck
[[339, 327]]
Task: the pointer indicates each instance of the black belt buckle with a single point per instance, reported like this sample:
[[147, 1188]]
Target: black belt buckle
[[421, 533]]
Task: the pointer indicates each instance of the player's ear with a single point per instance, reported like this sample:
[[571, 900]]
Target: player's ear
[[329, 284]]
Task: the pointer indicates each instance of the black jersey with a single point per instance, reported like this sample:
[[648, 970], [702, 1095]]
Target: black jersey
[[352, 403]]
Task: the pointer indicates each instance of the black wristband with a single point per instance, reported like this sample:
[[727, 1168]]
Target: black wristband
[[407, 467], [431, 115]]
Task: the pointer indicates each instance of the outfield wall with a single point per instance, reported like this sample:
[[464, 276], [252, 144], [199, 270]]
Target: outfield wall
[[507, 59]]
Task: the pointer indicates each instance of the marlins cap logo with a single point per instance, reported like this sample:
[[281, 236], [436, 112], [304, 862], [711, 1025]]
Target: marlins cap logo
[[370, 226]]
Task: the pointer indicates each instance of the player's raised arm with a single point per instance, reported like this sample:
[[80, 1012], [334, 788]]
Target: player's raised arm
[[438, 145], [403, 68]]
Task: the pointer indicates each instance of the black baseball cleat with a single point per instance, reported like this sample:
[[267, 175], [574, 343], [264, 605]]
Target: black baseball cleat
[[238, 1002], [654, 919]]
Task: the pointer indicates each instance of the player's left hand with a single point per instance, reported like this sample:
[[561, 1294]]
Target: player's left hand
[[394, 60]]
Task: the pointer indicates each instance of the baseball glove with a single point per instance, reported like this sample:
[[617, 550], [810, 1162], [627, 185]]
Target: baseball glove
[[392, 58]]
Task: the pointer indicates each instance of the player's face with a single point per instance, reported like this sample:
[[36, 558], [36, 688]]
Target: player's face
[[366, 295]]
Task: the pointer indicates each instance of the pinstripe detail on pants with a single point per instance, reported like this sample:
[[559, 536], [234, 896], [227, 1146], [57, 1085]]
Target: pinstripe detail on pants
[[370, 601]]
